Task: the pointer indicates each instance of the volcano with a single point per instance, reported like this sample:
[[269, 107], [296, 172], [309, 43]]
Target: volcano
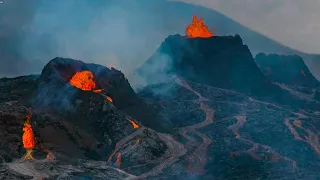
[[236, 123], [287, 69], [65, 74], [66, 112], [218, 61]]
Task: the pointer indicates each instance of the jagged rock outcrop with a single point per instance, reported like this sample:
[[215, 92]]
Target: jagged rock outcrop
[[287, 69]]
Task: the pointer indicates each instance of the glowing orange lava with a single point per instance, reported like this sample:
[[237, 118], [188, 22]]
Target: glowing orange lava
[[97, 90], [28, 136], [109, 99], [135, 125], [83, 80], [118, 161], [198, 29]]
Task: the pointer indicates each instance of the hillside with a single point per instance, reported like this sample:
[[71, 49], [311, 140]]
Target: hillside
[[287, 69]]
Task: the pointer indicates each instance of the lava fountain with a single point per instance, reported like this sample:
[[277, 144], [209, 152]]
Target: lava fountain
[[198, 29], [28, 138]]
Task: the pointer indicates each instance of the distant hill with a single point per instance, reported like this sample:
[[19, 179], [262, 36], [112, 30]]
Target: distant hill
[[287, 69]]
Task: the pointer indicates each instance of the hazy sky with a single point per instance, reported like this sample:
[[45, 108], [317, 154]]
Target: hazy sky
[[125, 33], [291, 22]]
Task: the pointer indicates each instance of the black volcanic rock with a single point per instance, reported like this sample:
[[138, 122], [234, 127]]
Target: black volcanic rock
[[11, 123], [287, 69], [12, 89]]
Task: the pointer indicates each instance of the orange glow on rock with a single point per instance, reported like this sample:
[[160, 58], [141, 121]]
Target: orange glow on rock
[[109, 99], [97, 90], [118, 161], [83, 80], [198, 29], [135, 125]]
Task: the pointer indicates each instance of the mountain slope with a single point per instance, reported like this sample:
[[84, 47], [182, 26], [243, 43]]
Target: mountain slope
[[246, 139], [287, 69]]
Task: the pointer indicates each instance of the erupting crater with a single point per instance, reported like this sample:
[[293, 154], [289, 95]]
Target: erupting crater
[[198, 29], [84, 80]]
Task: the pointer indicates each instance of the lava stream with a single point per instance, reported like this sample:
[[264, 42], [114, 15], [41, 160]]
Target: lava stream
[[241, 120], [175, 150], [197, 160], [312, 139], [125, 140]]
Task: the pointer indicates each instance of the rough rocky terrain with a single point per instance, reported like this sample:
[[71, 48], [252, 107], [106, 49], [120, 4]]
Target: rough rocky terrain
[[212, 126], [286, 69]]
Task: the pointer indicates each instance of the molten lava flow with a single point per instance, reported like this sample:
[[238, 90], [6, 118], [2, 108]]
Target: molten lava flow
[[198, 29], [97, 90], [118, 161], [109, 99], [83, 80], [28, 138], [135, 125]]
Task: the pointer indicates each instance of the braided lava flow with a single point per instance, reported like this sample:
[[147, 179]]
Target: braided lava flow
[[312, 137], [197, 159], [275, 156]]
